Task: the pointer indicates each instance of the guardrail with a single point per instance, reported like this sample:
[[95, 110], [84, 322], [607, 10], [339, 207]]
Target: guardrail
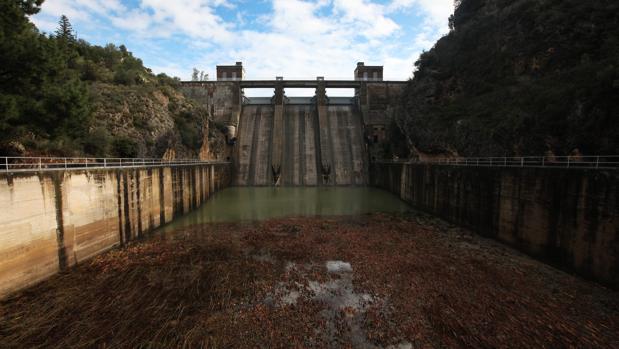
[[23, 164], [590, 162]]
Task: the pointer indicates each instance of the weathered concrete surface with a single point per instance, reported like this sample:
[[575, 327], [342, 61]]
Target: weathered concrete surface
[[28, 226], [327, 147], [569, 218], [376, 101], [221, 98], [53, 220], [349, 165], [301, 145], [253, 164]]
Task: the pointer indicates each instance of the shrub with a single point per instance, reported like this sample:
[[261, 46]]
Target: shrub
[[125, 147], [98, 142]]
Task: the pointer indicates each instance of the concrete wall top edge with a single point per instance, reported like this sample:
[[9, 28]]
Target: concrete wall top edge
[[97, 170]]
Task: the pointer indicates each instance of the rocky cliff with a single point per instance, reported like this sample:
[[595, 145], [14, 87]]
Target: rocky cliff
[[518, 77], [155, 121]]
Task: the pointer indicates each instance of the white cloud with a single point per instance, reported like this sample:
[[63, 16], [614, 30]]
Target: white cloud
[[307, 39], [45, 24], [296, 17], [194, 18], [436, 12], [298, 38], [369, 18], [172, 69], [153, 18]]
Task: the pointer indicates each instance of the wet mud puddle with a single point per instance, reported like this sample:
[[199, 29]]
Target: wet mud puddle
[[340, 298]]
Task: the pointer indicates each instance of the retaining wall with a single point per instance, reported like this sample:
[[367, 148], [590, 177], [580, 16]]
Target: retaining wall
[[566, 217], [50, 221]]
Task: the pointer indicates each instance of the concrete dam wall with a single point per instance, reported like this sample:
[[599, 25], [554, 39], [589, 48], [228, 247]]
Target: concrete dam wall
[[50, 221], [313, 141], [566, 217], [300, 145]]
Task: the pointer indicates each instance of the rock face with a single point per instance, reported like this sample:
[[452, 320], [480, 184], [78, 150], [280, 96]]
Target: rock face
[[519, 77], [157, 121]]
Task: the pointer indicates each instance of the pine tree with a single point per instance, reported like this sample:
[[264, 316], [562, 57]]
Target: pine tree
[[30, 7], [195, 76], [65, 30]]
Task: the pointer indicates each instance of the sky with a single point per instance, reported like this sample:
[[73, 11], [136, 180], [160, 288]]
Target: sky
[[289, 38]]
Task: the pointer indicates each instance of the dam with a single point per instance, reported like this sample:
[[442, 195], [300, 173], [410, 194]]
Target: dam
[[303, 234], [303, 157], [300, 141]]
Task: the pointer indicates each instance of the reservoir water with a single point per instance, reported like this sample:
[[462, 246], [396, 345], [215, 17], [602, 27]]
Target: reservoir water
[[237, 204]]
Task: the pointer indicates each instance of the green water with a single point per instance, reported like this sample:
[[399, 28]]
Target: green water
[[238, 204]]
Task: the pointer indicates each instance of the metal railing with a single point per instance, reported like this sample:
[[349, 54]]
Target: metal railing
[[22, 164], [590, 162]]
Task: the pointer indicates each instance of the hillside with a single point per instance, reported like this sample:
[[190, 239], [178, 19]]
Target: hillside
[[61, 96], [518, 77], [151, 121]]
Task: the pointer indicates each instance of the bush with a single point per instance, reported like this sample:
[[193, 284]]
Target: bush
[[189, 127], [98, 142], [125, 147]]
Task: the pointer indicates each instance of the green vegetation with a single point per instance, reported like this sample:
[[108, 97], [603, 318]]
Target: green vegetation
[[199, 75], [519, 77], [59, 95]]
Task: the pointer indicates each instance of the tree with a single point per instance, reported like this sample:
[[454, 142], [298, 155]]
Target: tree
[[49, 88], [30, 7], [494, 87], [65, 29], [24, 62], [199, 75]]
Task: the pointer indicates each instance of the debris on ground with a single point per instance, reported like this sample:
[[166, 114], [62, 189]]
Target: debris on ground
[[376, 281]]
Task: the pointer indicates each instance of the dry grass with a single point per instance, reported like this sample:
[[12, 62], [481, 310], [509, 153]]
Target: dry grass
[[231, 286]]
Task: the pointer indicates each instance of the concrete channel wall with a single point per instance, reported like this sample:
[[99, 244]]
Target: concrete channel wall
[[50, 221], [566, 217]]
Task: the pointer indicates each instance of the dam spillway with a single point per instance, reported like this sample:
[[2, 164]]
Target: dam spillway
[[254, 140], [301, 147]]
